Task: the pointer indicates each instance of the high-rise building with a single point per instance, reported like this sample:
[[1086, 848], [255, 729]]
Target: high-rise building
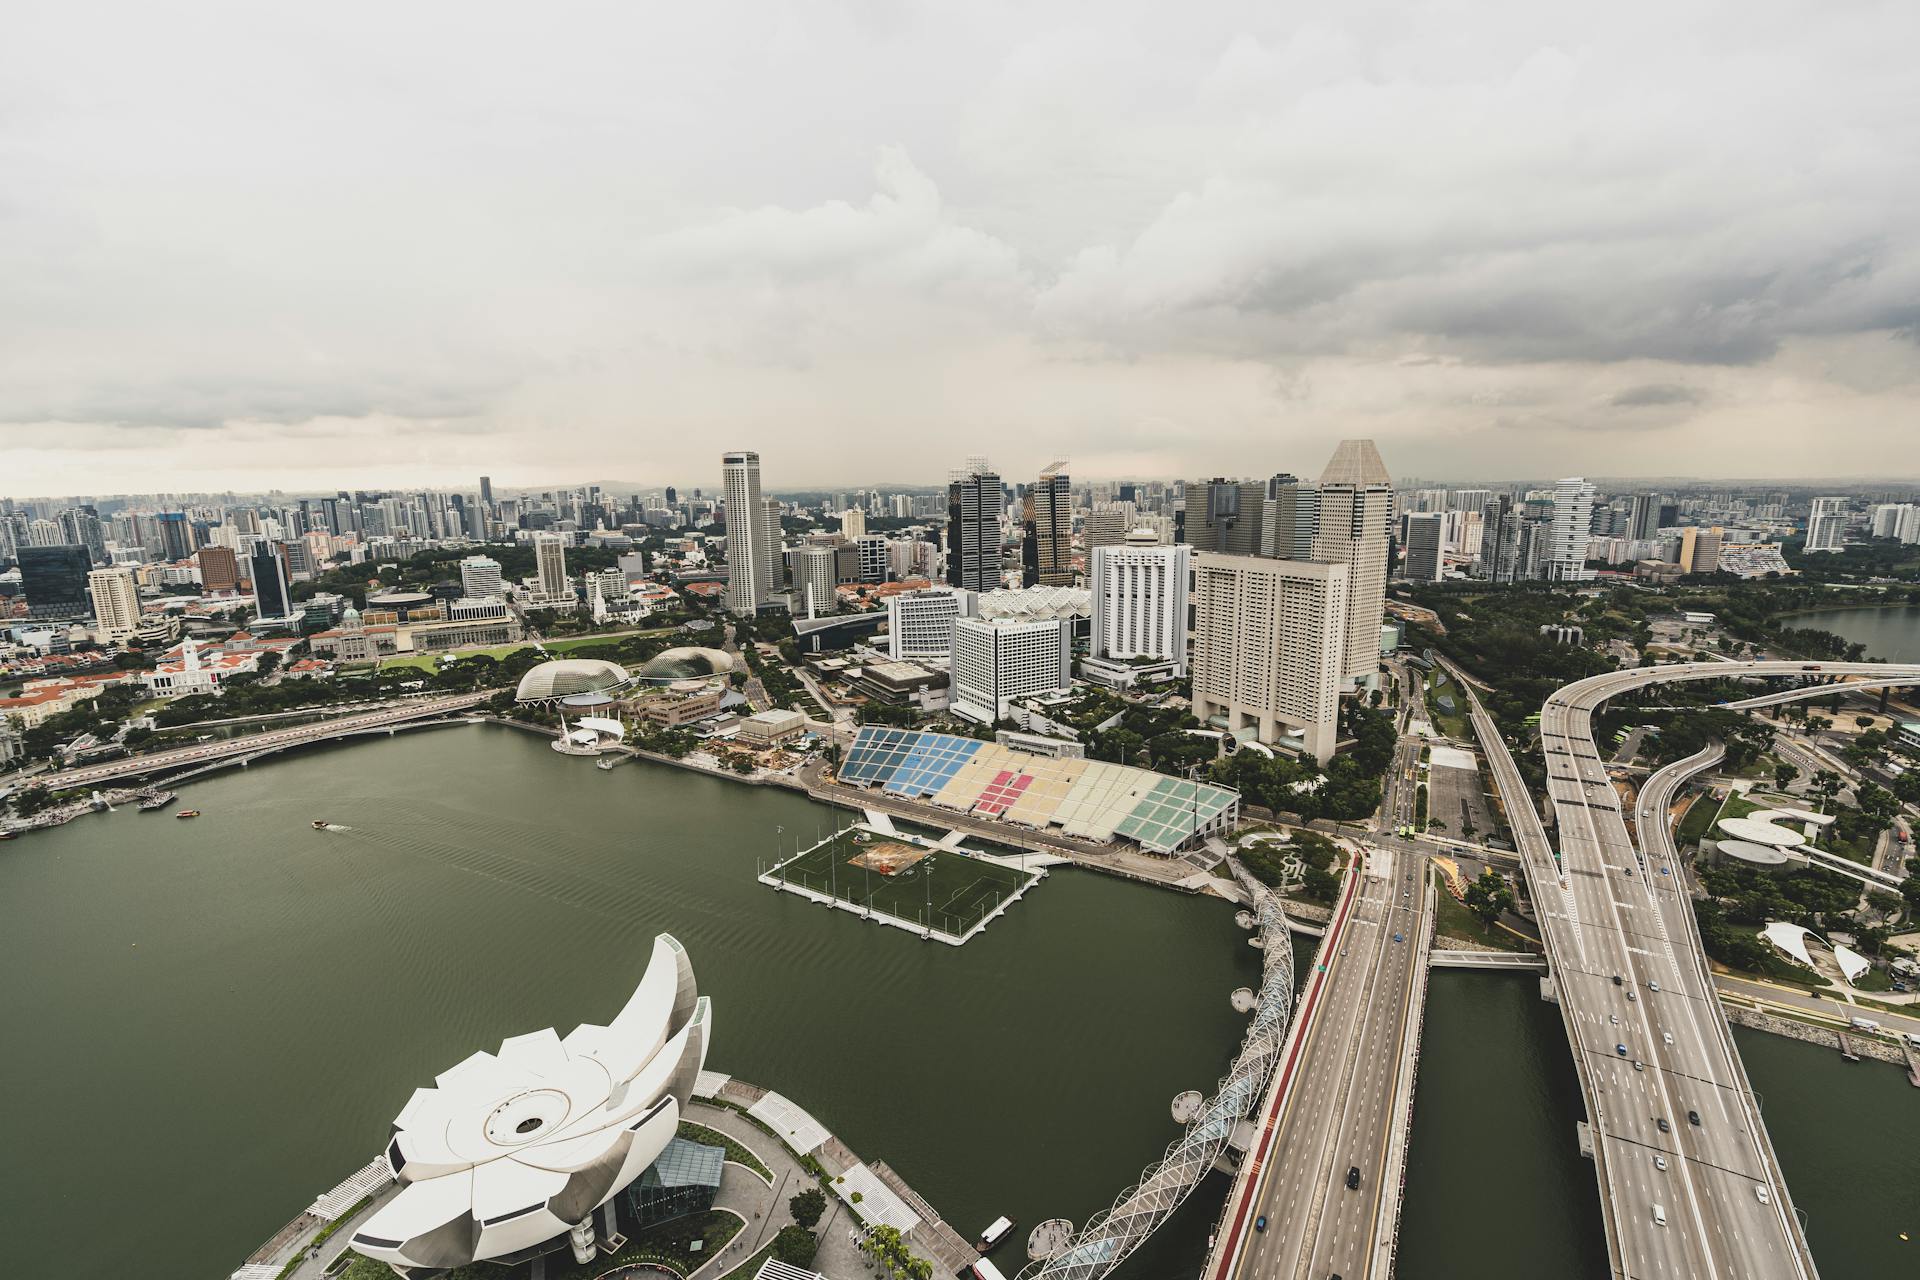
[[550, 566], [219, 570], [272, 592], [814, 576], [1565, 559], [853, 522], [176, 539], [1046, 551], [1140, 603], [752, 548], [870, 554], [998, 660], [486, 491], [1107, 524], [1225, 516], [1356, 514], [1827, 524], [1292, 518], [1270, 649], [116, 602], [973, 528], [1424, 560], [920, 623], [1643, 517], [54, 580], [480, 577]]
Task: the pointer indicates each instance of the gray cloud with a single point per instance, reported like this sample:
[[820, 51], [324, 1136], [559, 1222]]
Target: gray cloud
[[1654, 393], [1477, 229]]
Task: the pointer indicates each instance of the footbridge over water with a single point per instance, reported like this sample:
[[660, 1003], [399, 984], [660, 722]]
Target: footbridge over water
[[1114, 1233]]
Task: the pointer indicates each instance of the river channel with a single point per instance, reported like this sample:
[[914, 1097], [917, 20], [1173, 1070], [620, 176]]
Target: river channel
[[210, 1021]]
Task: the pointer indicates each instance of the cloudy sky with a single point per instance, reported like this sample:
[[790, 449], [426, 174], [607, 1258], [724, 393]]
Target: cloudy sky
[[258, 244]]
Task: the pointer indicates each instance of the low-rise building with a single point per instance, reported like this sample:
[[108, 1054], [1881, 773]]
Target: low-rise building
[[194, 673], [676, 708], [770, 728], [899, 683]]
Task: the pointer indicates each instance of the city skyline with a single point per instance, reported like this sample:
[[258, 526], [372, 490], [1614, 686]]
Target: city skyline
[[1505, 254]]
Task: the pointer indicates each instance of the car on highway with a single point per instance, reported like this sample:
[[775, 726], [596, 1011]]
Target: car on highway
[[1616, 979], [1693, 1118], [1260, 1223], [1398, 938], [1659, 1215], [1660, 1122], [1653, 986], [1760, 1194], [1660, 1162], [1667, 1036], [1639, 1065], [1620, 1049], [1353, 1178], [1632, 996]]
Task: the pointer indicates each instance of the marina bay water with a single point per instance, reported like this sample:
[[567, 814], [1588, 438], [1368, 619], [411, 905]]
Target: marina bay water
[[1497, 1189], [211, 1021], [1892, 633]]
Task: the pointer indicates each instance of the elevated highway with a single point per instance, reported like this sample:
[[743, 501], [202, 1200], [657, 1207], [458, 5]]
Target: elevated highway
[[1346, 1104], [1689, 1183], [203, 755]]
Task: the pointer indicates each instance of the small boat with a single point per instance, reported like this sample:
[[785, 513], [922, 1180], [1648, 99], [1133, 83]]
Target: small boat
[[321, 824], [603, 764], [995, 1235], [8, 835], [187, 813]]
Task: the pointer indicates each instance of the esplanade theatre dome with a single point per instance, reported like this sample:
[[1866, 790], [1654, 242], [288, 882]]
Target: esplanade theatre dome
[[686, 664], [564, 677]]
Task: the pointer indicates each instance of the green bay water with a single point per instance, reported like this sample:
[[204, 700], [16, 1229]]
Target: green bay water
[[1497, 1190], [209, 1022], [1892, 633]]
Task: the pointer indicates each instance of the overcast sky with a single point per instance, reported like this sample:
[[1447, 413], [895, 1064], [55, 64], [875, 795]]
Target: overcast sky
[[260, 244]]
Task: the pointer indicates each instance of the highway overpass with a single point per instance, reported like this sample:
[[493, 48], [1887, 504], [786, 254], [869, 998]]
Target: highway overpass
[[1688, 1180]]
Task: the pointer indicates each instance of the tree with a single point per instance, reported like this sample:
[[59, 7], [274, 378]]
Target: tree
[[807, 1206], [1864, 722], [1783, 775], [1489, 896], [795, 1246]]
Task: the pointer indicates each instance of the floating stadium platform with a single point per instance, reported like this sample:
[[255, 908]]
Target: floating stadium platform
[[1087, 799]]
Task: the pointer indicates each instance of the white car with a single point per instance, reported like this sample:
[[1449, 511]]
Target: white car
[[1660, 1162], [1760, 1194]]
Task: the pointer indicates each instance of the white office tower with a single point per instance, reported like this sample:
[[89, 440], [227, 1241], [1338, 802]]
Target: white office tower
[[1292, 518], [920, 623], [550, 564], [116, 603], [996, 660], [1425, 536], [1107, 524], [871, 555], [813, 581], [1356, 519], [1269, 650], [750, 553], [853, 522], [1905, 526], [480, 577], [1140, 604], [1566, 552], [1886, 518], [1827, 524]]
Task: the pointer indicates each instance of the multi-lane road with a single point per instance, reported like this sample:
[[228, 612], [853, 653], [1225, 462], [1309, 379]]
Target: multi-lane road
[[254, 744], [1689, 1183], [1345, 1108]]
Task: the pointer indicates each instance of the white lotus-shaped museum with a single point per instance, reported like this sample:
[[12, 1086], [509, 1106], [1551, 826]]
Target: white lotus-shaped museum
[[508, 1151]]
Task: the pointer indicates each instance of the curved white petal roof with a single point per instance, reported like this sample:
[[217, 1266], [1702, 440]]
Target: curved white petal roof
[[507, 1150]]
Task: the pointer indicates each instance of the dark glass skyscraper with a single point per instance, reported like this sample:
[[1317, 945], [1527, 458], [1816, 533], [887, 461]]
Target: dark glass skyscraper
[[54, 581], [973, 529], [273, 598]]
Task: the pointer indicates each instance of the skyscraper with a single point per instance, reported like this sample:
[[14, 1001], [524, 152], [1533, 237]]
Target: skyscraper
[[1356, 514], [1046, 552], [116, 602], [1107, 524], [219, 570], [1643, 517], [480, 577], [486, 491], [813, 581], [973, 527], [1424, 561], [1227, 516], [1269, 650], [550, 565], [272, 595], [752, 549], [1566, 554], [1292, 518], [1140, 603], [54, 580], [1827, 524], [998, 660]]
